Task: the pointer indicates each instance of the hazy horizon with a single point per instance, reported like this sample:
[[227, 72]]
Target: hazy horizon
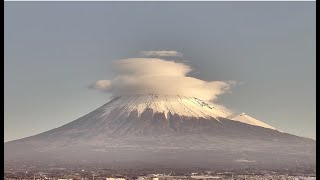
[[54, 51]]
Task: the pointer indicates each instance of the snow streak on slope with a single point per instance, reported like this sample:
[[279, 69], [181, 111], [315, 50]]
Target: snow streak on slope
[[244, 118], [183, 106]]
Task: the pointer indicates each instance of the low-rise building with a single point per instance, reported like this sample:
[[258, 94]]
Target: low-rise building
[[115, 178]]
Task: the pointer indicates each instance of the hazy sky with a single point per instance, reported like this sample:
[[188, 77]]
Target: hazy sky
[[55, 50]]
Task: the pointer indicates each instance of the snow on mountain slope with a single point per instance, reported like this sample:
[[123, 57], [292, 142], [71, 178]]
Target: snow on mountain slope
[[183, 106], [244, 118], [180, 105]]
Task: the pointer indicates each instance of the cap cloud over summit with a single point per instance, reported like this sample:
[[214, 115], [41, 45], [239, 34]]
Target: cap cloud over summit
[[159, 76]]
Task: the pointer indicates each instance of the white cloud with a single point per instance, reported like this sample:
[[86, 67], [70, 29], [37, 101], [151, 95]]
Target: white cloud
[[158, 76], [160, 54]]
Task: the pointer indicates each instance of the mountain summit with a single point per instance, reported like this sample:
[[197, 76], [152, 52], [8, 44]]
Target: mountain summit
[[153, 130], [175, 105]]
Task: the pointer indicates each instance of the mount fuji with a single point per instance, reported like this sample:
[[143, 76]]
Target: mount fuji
[[165, 130]]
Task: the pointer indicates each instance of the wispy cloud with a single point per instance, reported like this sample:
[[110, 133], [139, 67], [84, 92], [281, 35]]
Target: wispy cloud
[[160, 54], [101, 85]]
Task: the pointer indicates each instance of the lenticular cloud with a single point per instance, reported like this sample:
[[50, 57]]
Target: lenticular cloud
[[159, 76]]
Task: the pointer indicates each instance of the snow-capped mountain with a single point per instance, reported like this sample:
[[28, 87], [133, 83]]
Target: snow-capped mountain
[[176, 105], [182, 106], [172, 130]]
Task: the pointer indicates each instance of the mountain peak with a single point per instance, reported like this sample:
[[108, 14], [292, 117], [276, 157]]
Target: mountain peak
[[244, 118], [166, 104], [176, 105]]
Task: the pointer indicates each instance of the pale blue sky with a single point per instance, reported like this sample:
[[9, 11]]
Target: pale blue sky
[[54, 50]]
